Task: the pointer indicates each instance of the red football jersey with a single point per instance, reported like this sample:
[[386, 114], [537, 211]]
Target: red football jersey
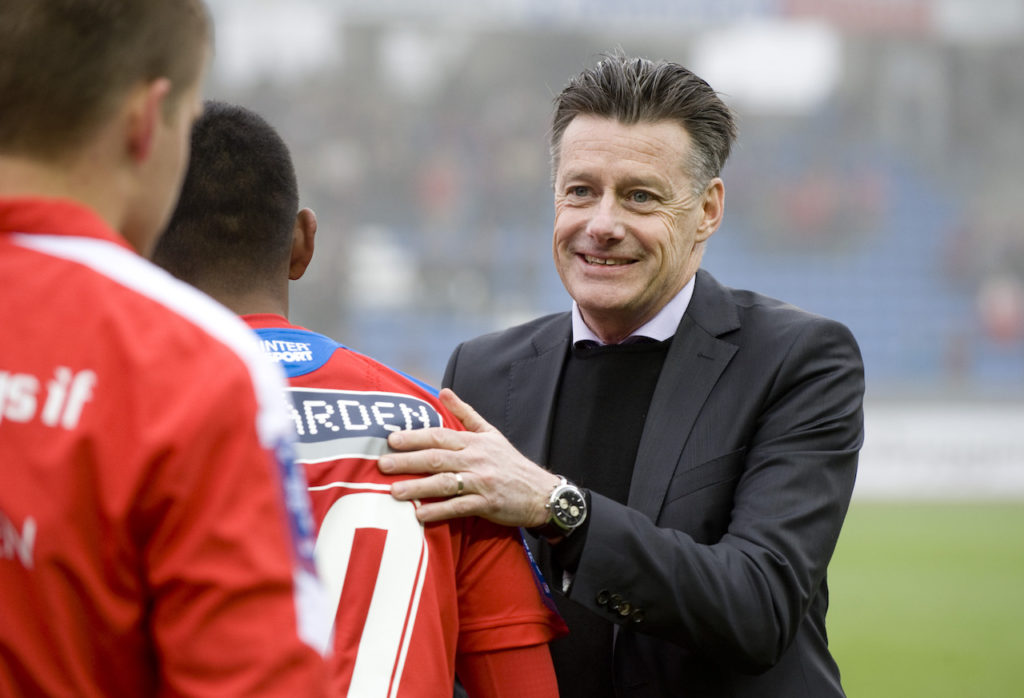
[[409, 597], [144, 517]]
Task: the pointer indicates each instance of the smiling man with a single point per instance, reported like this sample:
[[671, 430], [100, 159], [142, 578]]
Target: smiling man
[[682, 452], [630, 222]]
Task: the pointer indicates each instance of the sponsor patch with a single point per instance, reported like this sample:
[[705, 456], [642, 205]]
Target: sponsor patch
[[298, 351]]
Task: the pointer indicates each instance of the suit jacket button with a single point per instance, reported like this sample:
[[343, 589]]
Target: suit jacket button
[[614, 602], [624, 608], [637, 616], [602, 597]]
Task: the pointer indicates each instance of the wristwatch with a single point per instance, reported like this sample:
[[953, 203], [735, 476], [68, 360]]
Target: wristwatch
[[567, 509]]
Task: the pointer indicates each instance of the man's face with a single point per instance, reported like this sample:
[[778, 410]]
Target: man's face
[[629, 231]]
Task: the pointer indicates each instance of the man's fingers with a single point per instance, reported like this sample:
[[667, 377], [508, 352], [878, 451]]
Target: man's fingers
[[423, 462], [419, 439], [463, 411], [443, 488], [449, 508], [419, 489]]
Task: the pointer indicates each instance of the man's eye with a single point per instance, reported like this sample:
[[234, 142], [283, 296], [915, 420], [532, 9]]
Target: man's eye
[[640, 197], [579, 191]]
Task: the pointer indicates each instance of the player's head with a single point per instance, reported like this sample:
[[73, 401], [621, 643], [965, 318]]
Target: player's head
[[98, 97], [635, 90], [66, 65], [232, 231]]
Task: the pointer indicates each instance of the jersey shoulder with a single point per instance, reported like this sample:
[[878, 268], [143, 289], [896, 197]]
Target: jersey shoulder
[[318, 365]]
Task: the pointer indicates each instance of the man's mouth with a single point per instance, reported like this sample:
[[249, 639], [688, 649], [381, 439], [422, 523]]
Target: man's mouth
[[605, 261]]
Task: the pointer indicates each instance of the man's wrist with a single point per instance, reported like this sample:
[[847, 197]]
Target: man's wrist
[[539, 512], [565, 510]]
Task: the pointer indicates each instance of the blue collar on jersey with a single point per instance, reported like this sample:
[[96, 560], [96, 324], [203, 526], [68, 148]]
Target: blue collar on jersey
[[298, 351]]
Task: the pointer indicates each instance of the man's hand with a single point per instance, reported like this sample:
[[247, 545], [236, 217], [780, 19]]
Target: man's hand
[[498, 482]]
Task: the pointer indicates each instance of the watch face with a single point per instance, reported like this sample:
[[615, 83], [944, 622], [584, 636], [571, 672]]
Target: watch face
[[569, 507]]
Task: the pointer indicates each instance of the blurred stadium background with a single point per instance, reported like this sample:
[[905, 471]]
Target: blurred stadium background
[[878, 179]]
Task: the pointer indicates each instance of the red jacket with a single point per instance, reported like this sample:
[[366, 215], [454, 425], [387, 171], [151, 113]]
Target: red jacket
[[145, 545]]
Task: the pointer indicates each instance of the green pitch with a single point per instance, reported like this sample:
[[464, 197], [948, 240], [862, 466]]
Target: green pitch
[[927, 600]]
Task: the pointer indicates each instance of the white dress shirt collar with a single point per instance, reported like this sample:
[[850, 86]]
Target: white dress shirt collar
[[659, 328]]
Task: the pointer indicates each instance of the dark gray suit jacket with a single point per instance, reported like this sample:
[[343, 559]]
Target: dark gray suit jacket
[[742, 479]]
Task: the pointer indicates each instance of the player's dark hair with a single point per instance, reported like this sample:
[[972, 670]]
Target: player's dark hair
[[66, 64], [634, 90], [232, 227]]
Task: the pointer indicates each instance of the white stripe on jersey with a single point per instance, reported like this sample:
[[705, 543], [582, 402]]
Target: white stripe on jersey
[[145, 278], [352, 486]]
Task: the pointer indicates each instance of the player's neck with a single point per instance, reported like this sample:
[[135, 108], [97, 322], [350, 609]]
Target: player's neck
[[254, 303], [25, 177]]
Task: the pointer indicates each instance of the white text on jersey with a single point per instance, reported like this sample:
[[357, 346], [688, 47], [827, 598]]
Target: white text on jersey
[[66, 395]]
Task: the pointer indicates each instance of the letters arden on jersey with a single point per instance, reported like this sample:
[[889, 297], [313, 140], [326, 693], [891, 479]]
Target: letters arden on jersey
[[353, 424]]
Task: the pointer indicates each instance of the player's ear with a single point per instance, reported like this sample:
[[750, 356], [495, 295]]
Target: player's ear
[[144, 110], [303, 238]]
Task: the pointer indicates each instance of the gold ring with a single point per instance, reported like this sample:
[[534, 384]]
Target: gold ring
[[459, 484]]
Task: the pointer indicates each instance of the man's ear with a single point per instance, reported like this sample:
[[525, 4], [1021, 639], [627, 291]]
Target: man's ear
[[713, 209], [303, 238], [145, 109]]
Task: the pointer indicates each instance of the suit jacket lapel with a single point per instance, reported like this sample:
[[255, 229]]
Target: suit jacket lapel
[[695, 360], [533, 383]]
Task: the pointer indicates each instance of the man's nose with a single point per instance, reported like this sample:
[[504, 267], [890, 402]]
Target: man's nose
[[606, 221]]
